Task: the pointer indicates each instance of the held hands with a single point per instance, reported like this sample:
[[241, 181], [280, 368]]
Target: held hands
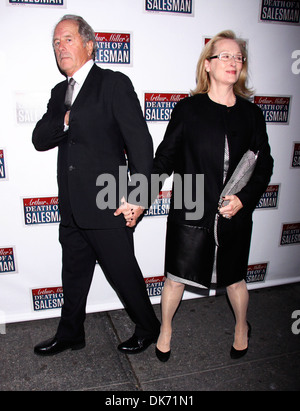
[[234, 205], [131, 212]]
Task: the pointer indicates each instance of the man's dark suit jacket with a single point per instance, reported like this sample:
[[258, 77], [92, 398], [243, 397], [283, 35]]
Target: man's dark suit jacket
[[105, 121]]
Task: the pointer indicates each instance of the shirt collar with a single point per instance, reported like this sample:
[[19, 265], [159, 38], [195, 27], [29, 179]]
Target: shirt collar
[[83, 72]]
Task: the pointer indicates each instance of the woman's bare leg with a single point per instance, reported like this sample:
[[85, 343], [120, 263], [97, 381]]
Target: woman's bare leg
[[171, 297], [239, 298]]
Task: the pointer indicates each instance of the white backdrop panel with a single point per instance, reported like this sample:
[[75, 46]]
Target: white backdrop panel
[[164, 53]]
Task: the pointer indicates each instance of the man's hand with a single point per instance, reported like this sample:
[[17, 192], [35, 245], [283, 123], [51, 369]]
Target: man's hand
[[67, 116], [131, 212]]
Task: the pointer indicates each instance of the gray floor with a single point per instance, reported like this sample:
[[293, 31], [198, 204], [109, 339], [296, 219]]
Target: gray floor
[[203, 334]]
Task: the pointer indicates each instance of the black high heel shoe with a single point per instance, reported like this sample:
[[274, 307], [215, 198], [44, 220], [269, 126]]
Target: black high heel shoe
[[236, 354], [162, 356]]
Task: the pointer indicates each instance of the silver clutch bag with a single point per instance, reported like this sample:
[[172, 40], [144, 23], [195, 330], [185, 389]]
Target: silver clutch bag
[[240, 177], [237, 181]]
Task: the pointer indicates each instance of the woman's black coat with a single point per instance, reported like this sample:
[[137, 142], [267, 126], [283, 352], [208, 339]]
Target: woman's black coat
[[194, 144]]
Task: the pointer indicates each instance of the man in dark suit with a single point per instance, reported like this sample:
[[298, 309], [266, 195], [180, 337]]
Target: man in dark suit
[[103, 121]]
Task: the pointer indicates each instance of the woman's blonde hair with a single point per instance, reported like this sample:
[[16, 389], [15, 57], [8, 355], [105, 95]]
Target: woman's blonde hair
[[202, 77]]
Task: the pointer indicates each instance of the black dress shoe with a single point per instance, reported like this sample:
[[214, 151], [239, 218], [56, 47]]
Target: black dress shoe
[[54, 346], [162, 356], [136, 344], [236, 354]]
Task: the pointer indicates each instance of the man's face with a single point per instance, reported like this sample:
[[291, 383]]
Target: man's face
[[71, 53]]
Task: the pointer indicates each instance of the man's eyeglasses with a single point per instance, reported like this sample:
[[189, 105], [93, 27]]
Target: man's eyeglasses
[[227, 57]]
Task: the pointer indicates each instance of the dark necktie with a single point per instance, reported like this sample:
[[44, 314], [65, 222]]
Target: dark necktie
[[69, 94]]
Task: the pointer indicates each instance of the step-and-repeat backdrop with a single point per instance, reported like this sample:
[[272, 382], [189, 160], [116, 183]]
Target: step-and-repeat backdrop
[[156, 43]]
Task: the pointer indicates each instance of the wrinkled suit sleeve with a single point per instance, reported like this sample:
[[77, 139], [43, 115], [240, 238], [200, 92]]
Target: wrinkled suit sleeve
[[49, 131]]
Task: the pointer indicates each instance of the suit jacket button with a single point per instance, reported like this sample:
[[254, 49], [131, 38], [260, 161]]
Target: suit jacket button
[[71, 168]]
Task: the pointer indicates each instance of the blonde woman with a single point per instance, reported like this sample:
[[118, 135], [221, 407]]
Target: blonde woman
[[208, 134]]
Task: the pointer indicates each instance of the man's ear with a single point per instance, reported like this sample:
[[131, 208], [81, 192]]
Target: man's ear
[[90, 47]]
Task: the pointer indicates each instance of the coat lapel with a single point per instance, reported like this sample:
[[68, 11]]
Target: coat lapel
[[87, 87]]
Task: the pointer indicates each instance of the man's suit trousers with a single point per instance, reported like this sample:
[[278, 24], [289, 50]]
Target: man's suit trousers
[[113, 249]]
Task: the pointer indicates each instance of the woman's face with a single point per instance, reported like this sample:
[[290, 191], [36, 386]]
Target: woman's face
[[225, 72]]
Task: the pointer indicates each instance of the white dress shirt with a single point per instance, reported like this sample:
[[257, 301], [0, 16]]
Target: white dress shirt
[[79, 78]]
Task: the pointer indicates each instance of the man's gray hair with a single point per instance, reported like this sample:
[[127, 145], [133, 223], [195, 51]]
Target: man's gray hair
[[84, 29]]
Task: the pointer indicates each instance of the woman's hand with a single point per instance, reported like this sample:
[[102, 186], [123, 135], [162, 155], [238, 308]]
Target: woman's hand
[[234, 205]]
